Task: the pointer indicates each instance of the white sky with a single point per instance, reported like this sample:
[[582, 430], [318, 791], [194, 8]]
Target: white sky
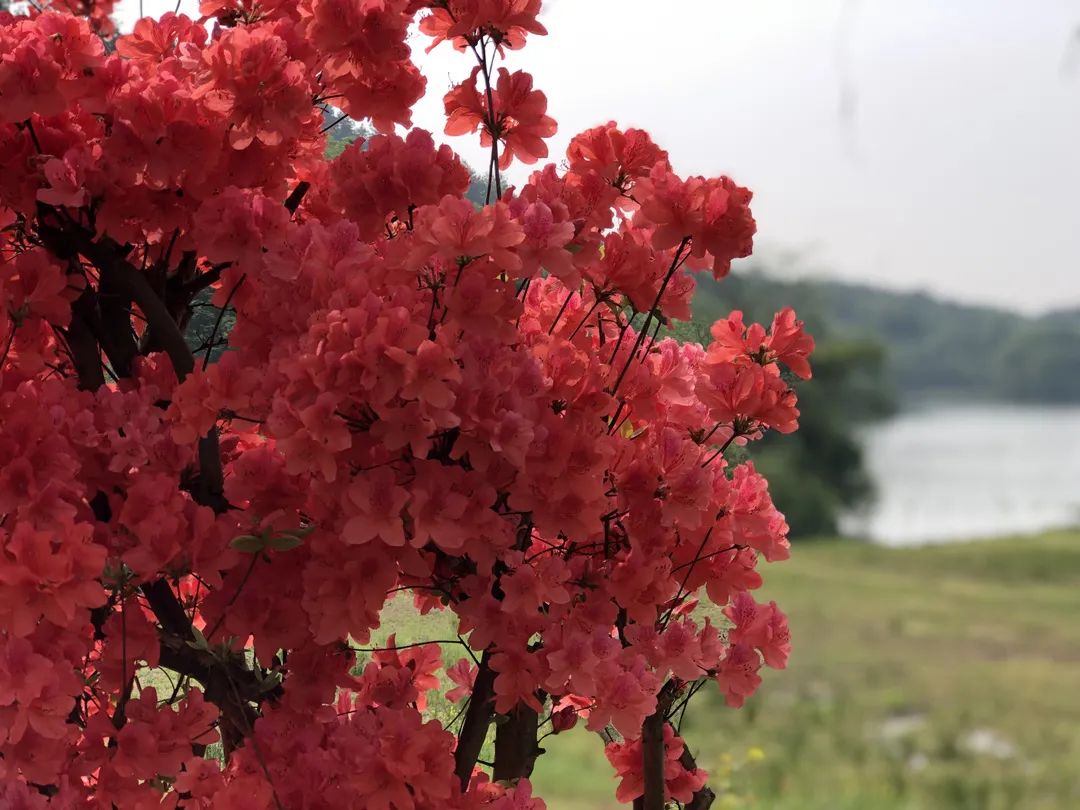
[[918, 144]]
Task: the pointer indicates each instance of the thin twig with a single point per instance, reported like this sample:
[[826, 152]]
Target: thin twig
[[7, 345], [734, 435], [334, 123], [217, 323], [675, 263], [562, 309], [410, 645], [234, 597], [682, 585]]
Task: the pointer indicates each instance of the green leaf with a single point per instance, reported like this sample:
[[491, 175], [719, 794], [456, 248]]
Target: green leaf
[[285, 541], [200, 642], [270, 682], [248, 543]]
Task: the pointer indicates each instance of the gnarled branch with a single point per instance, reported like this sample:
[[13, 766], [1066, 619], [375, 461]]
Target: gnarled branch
[[108, 257]]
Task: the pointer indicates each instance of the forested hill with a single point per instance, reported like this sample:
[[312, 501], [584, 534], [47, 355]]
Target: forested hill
[[933, 348]]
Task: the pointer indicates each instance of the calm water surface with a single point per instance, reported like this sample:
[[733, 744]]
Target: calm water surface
[[966, 471]]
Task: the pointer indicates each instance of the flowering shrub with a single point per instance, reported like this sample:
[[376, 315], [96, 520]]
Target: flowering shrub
[[474, 406]]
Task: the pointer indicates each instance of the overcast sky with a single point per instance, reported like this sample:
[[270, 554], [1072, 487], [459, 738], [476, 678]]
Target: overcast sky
[[918, 144]]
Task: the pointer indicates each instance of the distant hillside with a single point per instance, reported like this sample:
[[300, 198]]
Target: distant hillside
[[933, 348]]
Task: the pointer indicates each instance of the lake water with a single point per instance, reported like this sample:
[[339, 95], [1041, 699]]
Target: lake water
[[969, 471]]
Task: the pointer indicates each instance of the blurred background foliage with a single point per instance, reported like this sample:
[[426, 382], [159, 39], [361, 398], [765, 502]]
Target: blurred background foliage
[[879, 351], [819, 471]]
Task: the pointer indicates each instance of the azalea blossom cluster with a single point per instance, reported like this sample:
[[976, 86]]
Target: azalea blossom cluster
[[470, 407]]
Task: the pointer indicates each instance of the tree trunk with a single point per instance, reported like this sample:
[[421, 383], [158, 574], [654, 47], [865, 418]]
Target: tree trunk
[[515, 744], [652, 754]]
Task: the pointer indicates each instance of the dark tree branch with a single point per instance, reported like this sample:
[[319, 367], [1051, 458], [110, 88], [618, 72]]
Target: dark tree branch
[[116, 336], [102, 321], [292, 202], [653, 750], [516, 747], [652, 754], [119, 718], [107, 256], [477, 719], [169, 611], [176, 291], [228, 681], [85, 353], [703, 799], [211, 276]]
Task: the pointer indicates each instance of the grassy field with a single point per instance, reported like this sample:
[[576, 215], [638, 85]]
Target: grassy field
[[922, 679]]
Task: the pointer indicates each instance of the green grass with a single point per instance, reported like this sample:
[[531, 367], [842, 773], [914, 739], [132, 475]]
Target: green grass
[[904, 660]]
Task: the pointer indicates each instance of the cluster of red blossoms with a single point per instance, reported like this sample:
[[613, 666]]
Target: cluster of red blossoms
[[470, 407]]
